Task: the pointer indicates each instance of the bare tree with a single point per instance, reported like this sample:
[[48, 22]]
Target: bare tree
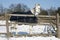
[[52, 11], [58, 10], [43, 12], [1, 9], [18, 8]]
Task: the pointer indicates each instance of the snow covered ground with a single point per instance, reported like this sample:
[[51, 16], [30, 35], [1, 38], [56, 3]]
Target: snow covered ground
[[31, 38], [2, 22], [36, 29], [25, 28], [2, 29], [29, 29]]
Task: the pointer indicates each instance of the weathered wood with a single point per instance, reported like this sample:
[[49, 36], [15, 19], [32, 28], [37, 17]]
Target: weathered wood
[[3, 33], [41, 23], [20, 15], [30, 35], [7, 26], [43, 19], [57, 25], [3, 25], [44, 16]]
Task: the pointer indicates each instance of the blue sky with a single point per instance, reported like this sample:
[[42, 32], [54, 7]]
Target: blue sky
[[46, 4]]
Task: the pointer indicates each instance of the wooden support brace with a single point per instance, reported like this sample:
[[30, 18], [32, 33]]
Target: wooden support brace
[[57, 25], [7, 26]]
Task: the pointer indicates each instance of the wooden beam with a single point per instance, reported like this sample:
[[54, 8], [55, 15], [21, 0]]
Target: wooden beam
[[3, 33], [20, 23], [45, 16], [30, 35], [57, 25], [2, 25], [31, 15], [41, 23], [7, 26], [20, 15]]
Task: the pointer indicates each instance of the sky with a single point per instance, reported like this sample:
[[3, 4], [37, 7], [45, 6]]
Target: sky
[[45, 4]]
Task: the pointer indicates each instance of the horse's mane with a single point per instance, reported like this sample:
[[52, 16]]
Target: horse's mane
[[28, 12]]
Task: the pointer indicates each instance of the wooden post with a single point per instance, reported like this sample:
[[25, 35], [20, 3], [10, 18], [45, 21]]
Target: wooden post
[[57, 25], [7, 26]]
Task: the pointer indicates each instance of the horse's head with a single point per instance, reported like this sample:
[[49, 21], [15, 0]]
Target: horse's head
[[36, 9]]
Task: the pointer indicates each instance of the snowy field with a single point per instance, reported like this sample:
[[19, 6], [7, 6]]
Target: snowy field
[[31, 38], [26, 28], [29, 29]]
